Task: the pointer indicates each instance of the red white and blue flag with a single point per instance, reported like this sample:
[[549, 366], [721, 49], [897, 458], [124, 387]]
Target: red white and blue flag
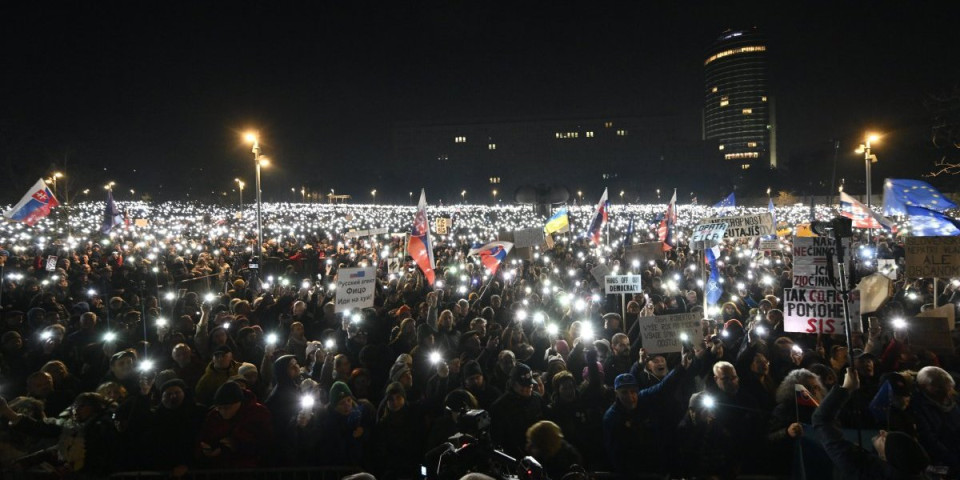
[[35, 205], [669, 224], [419, 245], [492, 254], [804, 398], [599, 219], [862, 216]]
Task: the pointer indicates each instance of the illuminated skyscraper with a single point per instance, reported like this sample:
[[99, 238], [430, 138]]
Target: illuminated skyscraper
[[738, 109]]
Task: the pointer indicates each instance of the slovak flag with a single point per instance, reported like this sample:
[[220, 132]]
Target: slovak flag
[[492, 254], [862, 216], [804, 398], [419, 245], [668, 224], [599, 219], [35, 205]]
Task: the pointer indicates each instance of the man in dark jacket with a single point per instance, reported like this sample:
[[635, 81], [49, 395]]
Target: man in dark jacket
[[627, 426], [898, 455], [237, 432], [515, 411]]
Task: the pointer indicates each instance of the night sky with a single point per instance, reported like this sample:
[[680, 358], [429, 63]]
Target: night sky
[[153, 92]]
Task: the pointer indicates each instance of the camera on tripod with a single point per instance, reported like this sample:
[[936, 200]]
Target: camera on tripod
[[472, 450], [838, 227]]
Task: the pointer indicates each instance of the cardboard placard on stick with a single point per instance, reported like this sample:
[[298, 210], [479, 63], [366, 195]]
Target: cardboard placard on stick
[[932, 257], [661, 333]]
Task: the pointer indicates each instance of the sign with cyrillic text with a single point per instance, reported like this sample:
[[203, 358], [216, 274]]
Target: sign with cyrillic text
[[355, 288]]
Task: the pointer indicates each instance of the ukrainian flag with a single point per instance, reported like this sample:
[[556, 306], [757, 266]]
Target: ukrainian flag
[[559, 222]]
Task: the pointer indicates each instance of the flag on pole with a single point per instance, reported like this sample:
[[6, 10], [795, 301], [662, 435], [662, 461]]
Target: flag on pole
[[668, 224], [804, 398], [558, 223], [492, 254], [599, 219], [930, 223], [898, 194], [713, 288], [34, 205], [727, 203], [862, 216], [419, 247], [111, 215], [628, 239]]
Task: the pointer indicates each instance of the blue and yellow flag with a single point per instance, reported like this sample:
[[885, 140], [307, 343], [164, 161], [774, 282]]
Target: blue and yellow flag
[[559, 222]]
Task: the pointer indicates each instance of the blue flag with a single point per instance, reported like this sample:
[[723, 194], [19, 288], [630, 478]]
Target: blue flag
[[898, 194], [713, 289], [111, 215], [628, 240], [729, 202], [929, 223]]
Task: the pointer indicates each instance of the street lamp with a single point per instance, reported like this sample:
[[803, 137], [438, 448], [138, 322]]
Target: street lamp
[[621, 196], [109, 187], [494, 196], [868, 158], [411, 198], [658, 195], [463, 196], [240, 184], [303, 194], [252, 138], [132, 194], [54, 177], [373, 193], [580, 194]]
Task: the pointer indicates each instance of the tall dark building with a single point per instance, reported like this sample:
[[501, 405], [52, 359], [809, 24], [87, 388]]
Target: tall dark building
[[738, 113]]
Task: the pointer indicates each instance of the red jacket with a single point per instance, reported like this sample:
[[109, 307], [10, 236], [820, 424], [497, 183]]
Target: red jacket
[[251, 431]]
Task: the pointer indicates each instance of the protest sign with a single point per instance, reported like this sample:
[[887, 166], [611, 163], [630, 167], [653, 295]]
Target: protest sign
[[943, 311], [52, 263], [818, 311], [708, 232], [599, 272], [442, 225], [355, 288], [646, 251], [141, 223], [394, 265], [932, 257], [770, 245], [888, 267], [528, 237], [745, 226], [365, 233], [661, 333], [810, 261], [622, 284], [932, 333]]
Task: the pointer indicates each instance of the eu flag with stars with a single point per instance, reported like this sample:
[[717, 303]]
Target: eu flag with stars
[[929, 223], [729, 202], [898, 194]]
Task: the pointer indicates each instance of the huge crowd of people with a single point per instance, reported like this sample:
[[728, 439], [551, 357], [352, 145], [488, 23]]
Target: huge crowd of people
[[158, 347]]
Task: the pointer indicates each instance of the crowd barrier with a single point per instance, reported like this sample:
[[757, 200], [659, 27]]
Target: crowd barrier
[[306, 473]]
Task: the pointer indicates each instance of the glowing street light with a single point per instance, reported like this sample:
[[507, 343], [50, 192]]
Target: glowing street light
[[868, 158], [463, 196], [240, 184], [494, 196], [373, 193], [109, 187], [260, 162]]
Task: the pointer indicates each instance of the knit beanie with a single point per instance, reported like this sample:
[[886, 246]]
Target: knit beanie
[[338, 392], [397, 371]]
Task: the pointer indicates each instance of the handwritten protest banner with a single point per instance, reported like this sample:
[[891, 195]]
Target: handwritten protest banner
[[622, 284], [661, 333], [746, 225], [932, 257], [818, 311]]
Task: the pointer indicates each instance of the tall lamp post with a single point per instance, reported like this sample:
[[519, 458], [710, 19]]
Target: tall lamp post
[[868, 158], [252, 138], [373, 193], [240, 185], [463, 196]]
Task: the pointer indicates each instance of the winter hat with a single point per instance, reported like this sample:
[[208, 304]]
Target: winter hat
[[397, 371], [228, 393], [245, 368], [470, 369], [905, 454], [338, 392], [395, 387], [176, 382], [522, 375], [547, 436]]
